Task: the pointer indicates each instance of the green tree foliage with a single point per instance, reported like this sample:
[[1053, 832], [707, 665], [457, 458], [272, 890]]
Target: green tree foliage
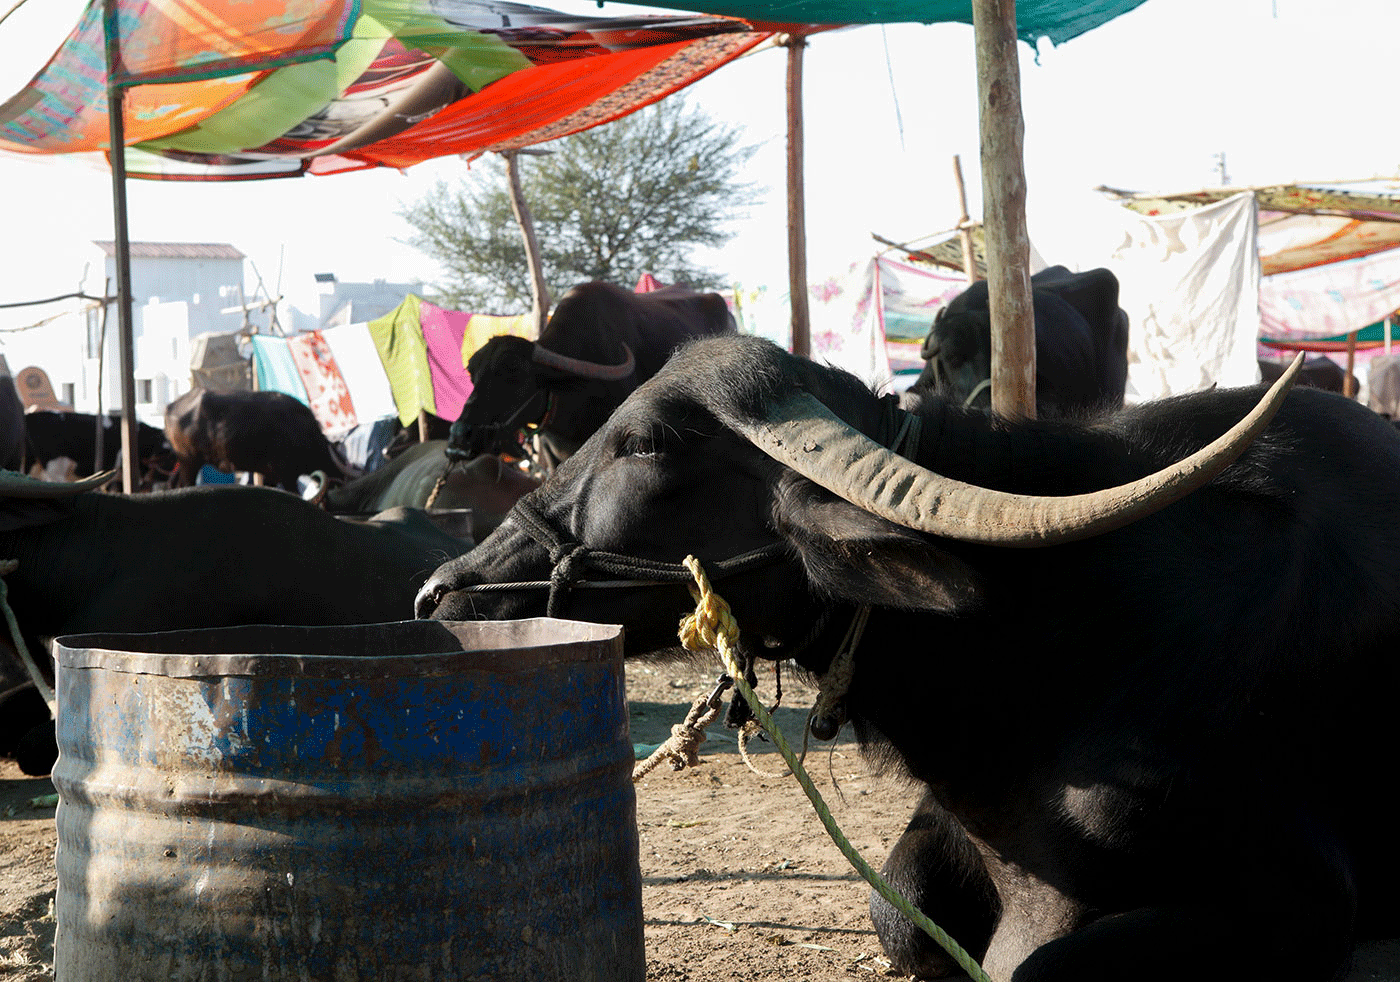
[[637, 195]]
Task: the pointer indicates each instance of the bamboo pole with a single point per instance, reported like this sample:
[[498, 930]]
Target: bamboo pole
[[964, 223], [539, 289], [131, 471], [797, 214], [1004, 208]]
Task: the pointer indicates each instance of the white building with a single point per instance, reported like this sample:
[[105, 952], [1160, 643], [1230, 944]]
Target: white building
[[179, 291]]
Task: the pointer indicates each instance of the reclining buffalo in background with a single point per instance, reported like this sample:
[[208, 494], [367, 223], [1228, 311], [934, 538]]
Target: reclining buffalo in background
[[267, 433], [1320, 372], [50, 434], [1152, 729], [485, 484], [1081, 344], [11, 422], [201, 557], [601, 342]]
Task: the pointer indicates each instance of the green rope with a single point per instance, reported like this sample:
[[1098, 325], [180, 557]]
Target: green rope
[[713, 625]]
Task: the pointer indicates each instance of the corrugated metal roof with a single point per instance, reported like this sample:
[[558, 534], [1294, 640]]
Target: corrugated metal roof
[[175, 250]]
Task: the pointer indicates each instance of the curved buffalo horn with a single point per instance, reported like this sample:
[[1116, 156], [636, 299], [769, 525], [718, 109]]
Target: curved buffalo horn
[[587, 369], [805, 435], [16, 485]]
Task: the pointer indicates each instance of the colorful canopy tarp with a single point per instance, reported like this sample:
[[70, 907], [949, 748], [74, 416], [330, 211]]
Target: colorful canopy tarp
[[1300, 226], [410, 360], [239, 89], [870, 320], [1377, 335], [1058, 20]]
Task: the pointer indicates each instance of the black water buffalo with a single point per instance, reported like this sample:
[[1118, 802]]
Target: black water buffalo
[[211, 556], [11, 423], [601, 342], [1152, 736], [485, 484], [1081, 344], [50, 434], [267, 433]]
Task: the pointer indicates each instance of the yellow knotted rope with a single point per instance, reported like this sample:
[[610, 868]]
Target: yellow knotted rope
[[712, 626]]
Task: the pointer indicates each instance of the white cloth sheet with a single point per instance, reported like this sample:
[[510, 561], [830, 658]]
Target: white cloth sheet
[[1189, 282]]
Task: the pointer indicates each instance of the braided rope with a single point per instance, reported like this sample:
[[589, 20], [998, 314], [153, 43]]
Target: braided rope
[[685, 739], [747, 732], [712, 626], [439, 483]]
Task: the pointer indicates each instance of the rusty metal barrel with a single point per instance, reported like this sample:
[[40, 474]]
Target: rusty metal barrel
[[416, 800]]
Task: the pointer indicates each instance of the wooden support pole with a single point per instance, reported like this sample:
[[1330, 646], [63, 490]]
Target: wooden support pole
[[797, 213], [131, 468], [539, 289], [964, 224], [1349, 380], [1004, 208]]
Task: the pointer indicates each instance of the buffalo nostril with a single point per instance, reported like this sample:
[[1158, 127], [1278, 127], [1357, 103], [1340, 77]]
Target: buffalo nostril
[[428, 599]]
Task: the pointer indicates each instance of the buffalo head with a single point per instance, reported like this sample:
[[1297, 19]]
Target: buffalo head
[[1081, 345], [514, 386], [736, 447]]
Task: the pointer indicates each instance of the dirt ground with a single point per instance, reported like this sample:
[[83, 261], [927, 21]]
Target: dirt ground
[[739, 880]]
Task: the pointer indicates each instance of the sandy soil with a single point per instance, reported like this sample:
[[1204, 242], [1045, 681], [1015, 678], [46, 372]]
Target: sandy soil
[[739, 880]]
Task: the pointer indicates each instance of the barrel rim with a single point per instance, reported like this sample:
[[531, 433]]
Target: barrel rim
[[438, 648]]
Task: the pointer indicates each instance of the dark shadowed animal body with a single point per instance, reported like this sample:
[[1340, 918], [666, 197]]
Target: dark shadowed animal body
[[267, 433], [212, 556], [11, 425], [1081, 344], [407, 436], [601, 342], [486, 484], [50, 434], [1149, 750], [1320, 372]]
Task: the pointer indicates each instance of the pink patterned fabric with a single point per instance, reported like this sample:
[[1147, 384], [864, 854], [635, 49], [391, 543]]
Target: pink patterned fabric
[[443, 331], [328, 395]]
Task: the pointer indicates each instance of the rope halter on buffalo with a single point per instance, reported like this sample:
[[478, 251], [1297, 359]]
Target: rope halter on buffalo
[[712, 626]]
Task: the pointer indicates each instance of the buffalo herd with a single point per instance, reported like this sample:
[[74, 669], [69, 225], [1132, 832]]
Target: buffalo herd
[[1138, 660]]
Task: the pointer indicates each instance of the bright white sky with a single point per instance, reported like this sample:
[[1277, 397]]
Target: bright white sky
[[1288, 90]]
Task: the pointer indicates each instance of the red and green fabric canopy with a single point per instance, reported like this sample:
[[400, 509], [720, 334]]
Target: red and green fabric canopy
[[237, 89], [1058, 20]]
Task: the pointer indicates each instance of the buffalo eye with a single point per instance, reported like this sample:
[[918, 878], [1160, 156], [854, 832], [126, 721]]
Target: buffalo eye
[[637, 445]]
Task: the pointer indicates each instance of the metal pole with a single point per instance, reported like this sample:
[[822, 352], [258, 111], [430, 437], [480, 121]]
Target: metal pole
[[1004, 208], [99, 438], [126, 334], [797, 213]]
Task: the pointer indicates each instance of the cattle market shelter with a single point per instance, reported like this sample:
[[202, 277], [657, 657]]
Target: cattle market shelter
[[268, 88]]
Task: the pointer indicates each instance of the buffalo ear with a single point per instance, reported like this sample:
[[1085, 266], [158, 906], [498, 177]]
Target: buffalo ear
[[861, 558]]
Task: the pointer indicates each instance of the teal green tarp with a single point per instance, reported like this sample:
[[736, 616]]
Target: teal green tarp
[[1371, 336], [1058, 20]]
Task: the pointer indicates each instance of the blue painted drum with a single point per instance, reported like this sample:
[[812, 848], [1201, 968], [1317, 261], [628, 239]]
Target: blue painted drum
[[416, 800]]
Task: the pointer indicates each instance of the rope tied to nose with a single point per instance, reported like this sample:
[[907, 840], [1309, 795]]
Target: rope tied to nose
[[712, 626]]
